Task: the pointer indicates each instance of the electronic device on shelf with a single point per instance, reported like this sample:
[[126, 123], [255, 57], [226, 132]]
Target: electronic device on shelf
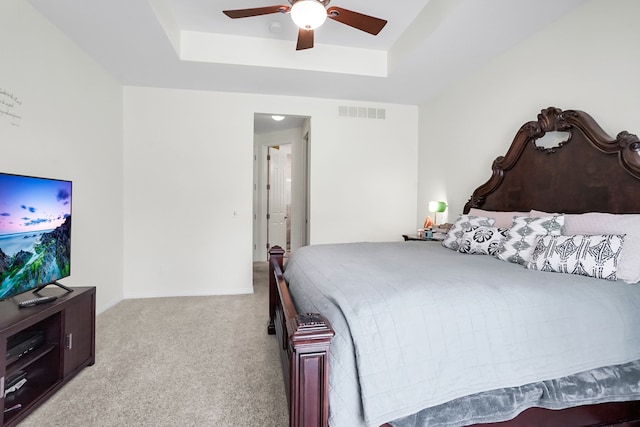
[[23, 343], [15, 382], [15, 378], [35, 232]]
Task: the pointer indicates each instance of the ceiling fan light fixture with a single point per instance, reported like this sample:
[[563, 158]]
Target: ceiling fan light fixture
[[308, 14]]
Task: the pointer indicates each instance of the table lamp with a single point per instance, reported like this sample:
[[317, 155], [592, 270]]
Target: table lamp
[[435, 207]]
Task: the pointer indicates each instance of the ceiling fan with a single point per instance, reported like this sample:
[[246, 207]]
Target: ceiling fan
[[310, 14]]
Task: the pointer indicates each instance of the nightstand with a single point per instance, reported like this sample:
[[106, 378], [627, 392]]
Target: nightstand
[[411, 237]]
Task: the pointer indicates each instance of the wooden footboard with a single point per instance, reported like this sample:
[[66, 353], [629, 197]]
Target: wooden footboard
[[304, 340]]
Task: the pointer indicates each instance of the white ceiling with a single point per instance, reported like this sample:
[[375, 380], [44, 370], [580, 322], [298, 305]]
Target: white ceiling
[[426, 45]]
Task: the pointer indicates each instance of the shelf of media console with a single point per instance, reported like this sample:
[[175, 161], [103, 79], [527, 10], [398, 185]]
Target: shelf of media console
[[28, 394], [17, 363]]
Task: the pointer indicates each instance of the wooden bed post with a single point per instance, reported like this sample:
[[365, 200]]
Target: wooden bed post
[[304, 340], [276, 253], [309, 370]]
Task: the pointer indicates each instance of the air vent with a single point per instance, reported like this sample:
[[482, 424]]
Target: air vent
[[361, 112]]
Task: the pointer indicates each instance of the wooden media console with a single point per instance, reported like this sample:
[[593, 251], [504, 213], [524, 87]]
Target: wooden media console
[[67, 328]]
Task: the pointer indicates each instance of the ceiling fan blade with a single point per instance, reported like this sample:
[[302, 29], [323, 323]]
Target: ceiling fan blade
[[366, 23], [305, 39], [246, 13]]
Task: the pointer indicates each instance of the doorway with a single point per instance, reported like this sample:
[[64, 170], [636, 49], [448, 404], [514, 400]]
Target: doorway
[[281, 183], [278, 195]]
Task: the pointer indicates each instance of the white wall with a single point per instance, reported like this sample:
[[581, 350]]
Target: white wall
[[70, 127], [189, 166], [588, 60]]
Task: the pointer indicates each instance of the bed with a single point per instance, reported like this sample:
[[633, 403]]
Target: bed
[[370, 335]]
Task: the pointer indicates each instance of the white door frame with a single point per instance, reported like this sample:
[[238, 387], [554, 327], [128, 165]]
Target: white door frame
[[300, 189]]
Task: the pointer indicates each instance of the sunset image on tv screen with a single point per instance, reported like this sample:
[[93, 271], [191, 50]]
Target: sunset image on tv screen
[[35, 232]]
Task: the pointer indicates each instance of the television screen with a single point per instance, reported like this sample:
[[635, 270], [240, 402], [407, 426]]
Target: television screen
[[35, 232]]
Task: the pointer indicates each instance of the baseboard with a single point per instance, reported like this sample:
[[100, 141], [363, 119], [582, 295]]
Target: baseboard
[[183, 293]]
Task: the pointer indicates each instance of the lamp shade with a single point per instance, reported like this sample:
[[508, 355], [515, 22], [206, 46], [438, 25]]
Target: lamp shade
[[436, 206], [308, 14]]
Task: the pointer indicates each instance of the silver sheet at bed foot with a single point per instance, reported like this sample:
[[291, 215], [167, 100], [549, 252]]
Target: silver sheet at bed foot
[[608, 384]]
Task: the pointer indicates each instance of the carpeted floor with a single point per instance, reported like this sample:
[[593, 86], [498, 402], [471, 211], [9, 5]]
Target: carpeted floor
[[192, 361]]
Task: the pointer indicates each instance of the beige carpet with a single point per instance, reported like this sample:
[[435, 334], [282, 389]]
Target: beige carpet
[[194, 361]]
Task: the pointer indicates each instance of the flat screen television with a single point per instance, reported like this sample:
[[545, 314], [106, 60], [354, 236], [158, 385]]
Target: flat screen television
[[35, 233]]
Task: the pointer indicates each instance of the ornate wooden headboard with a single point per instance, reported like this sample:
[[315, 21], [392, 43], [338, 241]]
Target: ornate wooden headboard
[[590, 172]]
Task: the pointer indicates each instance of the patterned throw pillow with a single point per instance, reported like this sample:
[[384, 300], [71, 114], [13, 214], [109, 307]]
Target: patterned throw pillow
[[594, 256], [482, 241], [605, 223], [522, 237], [463, 224]]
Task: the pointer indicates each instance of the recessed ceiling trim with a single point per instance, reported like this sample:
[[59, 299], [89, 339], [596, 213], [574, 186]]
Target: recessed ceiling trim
[[427, 21], [261, 52], [165, 16]]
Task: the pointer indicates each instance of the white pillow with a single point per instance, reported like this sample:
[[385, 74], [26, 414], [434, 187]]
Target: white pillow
[[482, 241], [606, 223], [594, 256], [463, 224], [522, 237], [503, 219]]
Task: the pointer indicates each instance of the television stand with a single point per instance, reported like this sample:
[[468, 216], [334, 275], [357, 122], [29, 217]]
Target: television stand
[[39, 288], [47, 345]]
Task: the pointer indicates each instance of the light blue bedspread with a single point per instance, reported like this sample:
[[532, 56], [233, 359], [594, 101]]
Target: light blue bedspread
[[418, 325]]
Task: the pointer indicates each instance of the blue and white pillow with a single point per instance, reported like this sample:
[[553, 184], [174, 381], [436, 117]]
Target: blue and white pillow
[[587, 255], [463, 224], [482, 240], [523, 235]]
